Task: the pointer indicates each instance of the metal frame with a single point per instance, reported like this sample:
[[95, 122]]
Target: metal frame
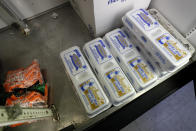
[[27, 115], [10, 16]]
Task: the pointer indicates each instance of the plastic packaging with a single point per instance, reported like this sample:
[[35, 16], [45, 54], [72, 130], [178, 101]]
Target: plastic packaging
[[135, 67], [153, 63], [25, 88], [87, 87], [108, 72], [36, 96], [29, 99], [23, 77], [157, 40]]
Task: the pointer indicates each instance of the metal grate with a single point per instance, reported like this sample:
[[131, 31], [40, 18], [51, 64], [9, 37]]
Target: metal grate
[[27, 115]]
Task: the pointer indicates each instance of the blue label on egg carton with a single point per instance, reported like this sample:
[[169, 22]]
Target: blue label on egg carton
[[75, 62], [146, 21], [100, 52], [91, 94], [171, 47], [141, 70], [118, 82], [121, 42]]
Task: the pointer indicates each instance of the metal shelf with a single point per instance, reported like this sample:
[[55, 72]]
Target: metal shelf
[[85, 123], [45, 43], [26, 115]]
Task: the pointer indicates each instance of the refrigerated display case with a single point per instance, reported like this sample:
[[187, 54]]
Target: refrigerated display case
[[71, 113]]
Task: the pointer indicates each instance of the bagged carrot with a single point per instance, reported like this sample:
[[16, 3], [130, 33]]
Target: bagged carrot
[[23, 77], [31, 98]]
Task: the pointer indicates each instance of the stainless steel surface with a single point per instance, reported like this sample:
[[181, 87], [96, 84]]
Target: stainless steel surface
[[6, 19], [49, 37], [15, 18], [27, 115], [42, 125], [30, 8]]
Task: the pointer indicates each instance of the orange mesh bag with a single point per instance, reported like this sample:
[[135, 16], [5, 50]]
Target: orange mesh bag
[[23, 77]]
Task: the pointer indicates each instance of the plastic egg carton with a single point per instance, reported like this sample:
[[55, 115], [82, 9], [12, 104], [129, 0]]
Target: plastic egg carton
[[111, 76], [86, 84], [153, 63], [157, 40], [133, 64]]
